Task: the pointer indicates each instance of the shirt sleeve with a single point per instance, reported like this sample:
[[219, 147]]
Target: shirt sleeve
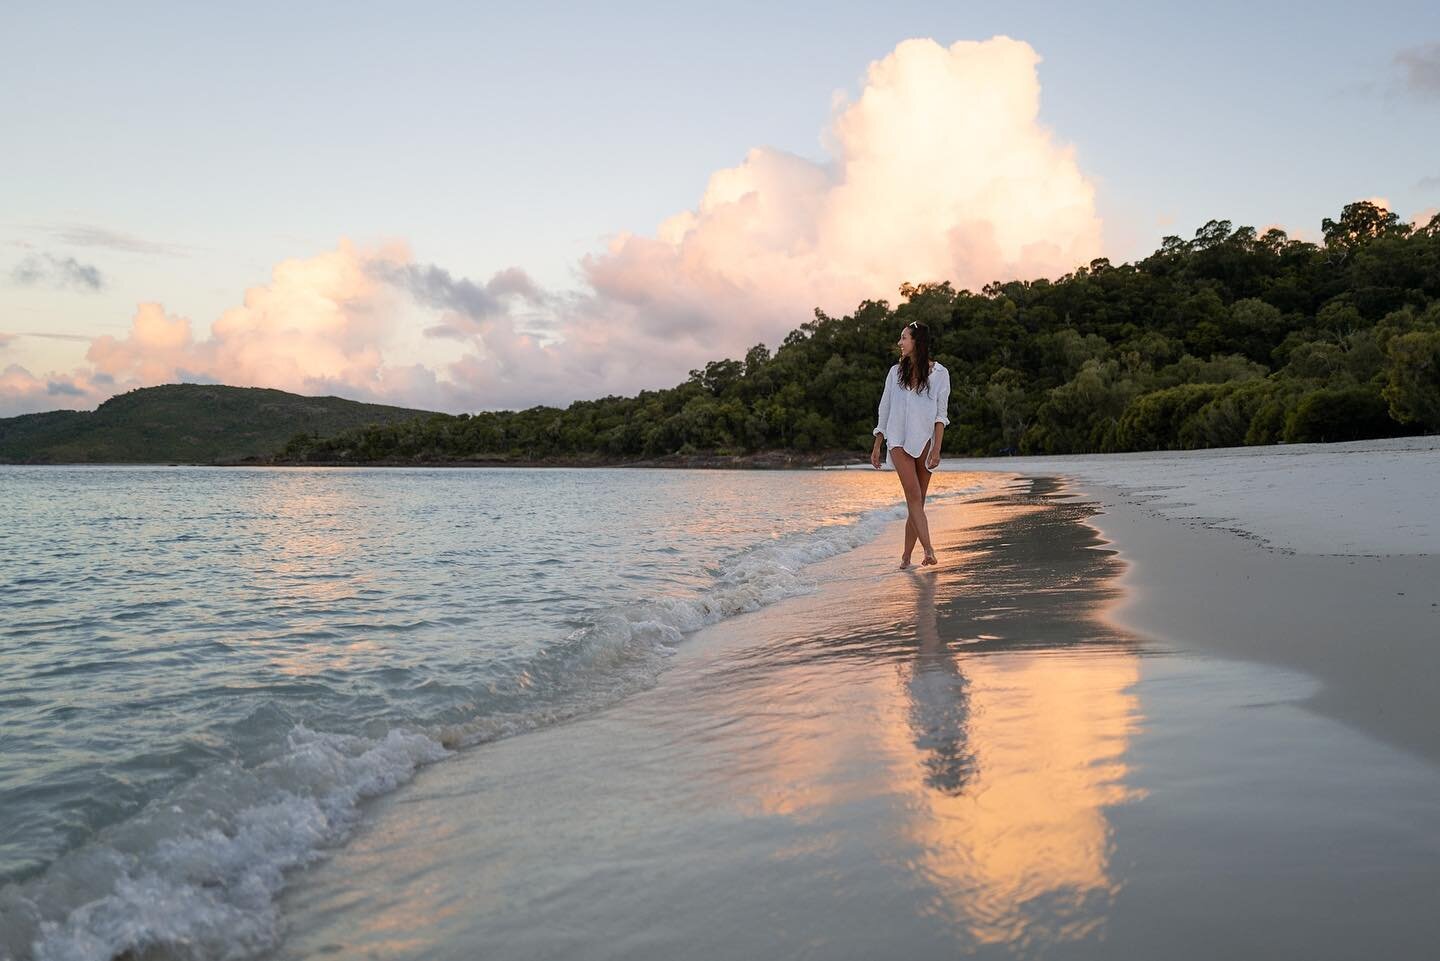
[[942, 400], [884, 414]]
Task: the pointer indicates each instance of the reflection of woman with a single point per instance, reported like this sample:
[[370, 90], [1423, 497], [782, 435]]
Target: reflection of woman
[[939, 701], [912, 423]]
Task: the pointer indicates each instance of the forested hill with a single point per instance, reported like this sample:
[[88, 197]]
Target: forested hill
[[1229, 338], [186, 423]]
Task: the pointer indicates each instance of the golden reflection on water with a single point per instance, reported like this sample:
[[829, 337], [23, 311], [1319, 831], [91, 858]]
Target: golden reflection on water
[[305, 563], [303, 661], [313, 541], [1003, 726], [1014, 758], [964, 743]]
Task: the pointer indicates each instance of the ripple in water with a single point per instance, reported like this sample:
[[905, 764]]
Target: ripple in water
[[207, 671]]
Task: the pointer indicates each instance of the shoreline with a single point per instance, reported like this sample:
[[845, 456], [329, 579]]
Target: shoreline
[[1367, 627], [709, 815], [764, 460], [1319, 558], [981, 759], [1352, 498], [1029, 465], [1107, 701]]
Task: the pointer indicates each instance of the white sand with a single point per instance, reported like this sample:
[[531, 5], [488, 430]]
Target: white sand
[[1318, 557], [1365, 497]]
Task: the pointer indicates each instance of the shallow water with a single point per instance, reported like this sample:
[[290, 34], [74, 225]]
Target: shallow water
[[205, 671], [977, 763]]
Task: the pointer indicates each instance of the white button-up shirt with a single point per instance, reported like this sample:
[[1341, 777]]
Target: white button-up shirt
[[907, 418]]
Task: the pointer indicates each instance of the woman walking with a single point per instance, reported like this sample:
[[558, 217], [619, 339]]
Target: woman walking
[[912, 423]]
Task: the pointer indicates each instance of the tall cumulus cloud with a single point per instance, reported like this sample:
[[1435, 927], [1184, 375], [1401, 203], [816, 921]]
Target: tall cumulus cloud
[[941, 171], [938, 170]]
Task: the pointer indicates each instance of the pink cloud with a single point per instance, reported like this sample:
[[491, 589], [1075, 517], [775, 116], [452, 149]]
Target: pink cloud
[[155, 348], [321, 325], [938, 170], [19, 383], [21, 392], [322, 320]]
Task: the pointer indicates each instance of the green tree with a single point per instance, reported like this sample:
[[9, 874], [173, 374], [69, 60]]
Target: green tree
[[1412, 378], [1360, 223], [1333, 414], [1153, 421], [1011, 403]]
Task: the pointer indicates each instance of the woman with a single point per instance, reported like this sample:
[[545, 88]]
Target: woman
[[912, 422]]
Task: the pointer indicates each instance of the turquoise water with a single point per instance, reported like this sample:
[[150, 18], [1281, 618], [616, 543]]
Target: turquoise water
[[203, 672]]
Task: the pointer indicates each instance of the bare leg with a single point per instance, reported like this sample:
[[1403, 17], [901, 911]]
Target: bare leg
[[914, 499], [923, 474]]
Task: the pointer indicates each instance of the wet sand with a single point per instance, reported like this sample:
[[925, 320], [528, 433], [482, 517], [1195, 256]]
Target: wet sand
[[1007, 757], [1366, 627]]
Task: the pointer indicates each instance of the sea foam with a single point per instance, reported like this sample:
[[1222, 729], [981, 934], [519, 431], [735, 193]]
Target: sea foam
[[197, 873]]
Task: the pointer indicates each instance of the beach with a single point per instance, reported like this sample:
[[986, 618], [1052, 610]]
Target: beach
[[456, 468], [1117, 722], [1324, 558], [1150, 705]]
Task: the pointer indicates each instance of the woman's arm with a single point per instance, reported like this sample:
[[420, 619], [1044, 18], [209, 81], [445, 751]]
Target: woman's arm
[[942, 420], [933, 461], [881, 418]]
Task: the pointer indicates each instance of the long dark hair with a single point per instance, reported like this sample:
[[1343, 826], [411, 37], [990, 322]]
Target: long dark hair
[[915, 369]]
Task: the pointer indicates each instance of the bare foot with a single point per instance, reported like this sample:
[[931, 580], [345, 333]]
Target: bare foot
[[905, 562], [929, 559]]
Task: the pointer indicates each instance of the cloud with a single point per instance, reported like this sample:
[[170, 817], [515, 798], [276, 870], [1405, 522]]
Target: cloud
[[471, 304], [939, 169], [1428, 183], [89, 235], [322, 325], [321, 321], [23, 393], [65, 273], [1421, 66], [6, 339], [83, 338], [63, 388]]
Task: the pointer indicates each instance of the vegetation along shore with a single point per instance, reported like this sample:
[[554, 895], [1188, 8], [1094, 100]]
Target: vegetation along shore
[[1231, 338]]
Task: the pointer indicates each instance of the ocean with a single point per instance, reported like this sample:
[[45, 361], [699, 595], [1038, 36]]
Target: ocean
[[206, 672]]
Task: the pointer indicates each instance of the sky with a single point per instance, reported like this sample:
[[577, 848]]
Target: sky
[[478, 206]]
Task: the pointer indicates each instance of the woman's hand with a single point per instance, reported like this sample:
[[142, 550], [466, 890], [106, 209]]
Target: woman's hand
[[933, 461], [875, 455]]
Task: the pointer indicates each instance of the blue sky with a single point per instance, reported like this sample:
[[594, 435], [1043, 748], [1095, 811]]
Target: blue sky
[[183, 150]]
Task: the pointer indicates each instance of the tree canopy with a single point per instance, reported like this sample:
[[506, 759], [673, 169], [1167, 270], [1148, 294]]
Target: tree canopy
[[1228, 338]]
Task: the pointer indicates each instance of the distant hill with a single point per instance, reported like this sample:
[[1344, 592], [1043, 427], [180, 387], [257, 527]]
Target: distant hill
[[184, 423]]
